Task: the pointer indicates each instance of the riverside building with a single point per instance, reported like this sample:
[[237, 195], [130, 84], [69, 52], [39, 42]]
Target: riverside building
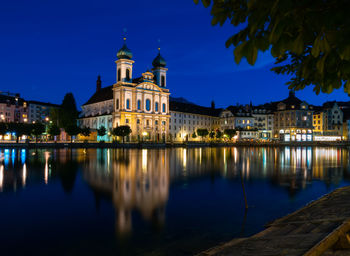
[[141, 103]]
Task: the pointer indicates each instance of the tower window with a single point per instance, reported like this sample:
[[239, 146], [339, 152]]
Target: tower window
[[139, 105], [156, 107], [119, 74], [148, 105], [117, 104], [128, 74], [162, 82], [128, 104], [164, 108]]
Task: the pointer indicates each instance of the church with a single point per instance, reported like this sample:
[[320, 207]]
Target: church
[[141, 103]]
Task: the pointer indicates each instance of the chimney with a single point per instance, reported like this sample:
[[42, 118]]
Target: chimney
[[98, 83]]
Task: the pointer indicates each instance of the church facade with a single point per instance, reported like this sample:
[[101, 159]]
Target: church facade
[[141, 103]]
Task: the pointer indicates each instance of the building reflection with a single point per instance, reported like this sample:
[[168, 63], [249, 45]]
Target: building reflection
[[139, 180], [134, 180]]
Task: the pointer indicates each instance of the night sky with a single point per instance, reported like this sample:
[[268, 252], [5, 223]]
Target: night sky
[[49, 48]]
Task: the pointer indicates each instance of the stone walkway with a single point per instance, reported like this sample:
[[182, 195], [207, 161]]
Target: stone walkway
[[320, 228]]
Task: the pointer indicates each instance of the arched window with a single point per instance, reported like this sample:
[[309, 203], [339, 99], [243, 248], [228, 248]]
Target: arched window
[[139, 105], [148, 105], [117, 104], [162, 82], [128, 74], [119, 74], [164, 108], [127, 104], [156, 107]]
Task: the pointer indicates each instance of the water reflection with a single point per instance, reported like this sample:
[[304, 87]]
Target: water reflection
[[140, 180], [133, 182]]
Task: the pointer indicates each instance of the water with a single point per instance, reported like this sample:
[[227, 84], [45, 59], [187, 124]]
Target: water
[[154, 202]]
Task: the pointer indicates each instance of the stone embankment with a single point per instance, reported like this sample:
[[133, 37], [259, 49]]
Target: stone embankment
[[320, 228]]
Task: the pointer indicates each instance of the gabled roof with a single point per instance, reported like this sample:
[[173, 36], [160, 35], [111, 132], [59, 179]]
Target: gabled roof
[[104, 94], [193, 109]]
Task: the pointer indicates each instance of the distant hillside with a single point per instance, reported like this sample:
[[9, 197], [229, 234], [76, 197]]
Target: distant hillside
[[180, 100]]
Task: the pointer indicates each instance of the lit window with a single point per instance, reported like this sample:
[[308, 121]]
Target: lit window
[[139, 105], [148, 105], [128, 104]]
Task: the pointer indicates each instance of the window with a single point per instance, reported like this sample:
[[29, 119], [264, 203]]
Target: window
[[138, 121], [163, 122], [164, 108], [139, 105], [162, 82], [147, 122], [156, 122], [119, 74], [128, 74], [127, 104], [156, 107], [126, 121], [148, 105], [117, 104]]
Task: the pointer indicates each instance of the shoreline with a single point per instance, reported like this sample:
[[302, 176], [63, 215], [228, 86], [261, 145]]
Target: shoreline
[[168, 145]]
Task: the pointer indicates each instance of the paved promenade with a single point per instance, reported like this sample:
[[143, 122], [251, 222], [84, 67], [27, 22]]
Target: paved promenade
[[320, 228]]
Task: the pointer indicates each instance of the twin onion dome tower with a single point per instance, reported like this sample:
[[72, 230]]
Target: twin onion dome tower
[[125, 64]]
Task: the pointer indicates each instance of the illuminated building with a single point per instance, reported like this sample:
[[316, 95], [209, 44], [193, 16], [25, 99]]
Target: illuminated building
[[328, 122], [40, 111], [293, 119], [186, 118], [263, 122], [141, 103], [13, 108], [241, 119], [97, 111]]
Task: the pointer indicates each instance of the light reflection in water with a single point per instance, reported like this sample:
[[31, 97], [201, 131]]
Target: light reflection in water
[[1, 177], [24, 175], [46, 177], [140, 179]]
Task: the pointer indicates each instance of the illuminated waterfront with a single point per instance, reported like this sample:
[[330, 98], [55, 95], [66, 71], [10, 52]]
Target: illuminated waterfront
[[169, 201]]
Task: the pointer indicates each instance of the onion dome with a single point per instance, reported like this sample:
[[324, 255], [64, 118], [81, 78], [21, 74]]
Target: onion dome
[[159, 61], [124, 52]]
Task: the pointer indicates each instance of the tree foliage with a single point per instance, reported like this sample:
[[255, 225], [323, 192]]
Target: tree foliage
[[101, 131], [310, 40], [194, 135], [68, 113], [230, 133], [38, 129], [211, 134], [202, 133], [121, 131], [72, 130], [85, 131], [54, 130], [19, 129], [218, 134]]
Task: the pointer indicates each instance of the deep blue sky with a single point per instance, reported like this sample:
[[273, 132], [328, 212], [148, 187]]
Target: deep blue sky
[[48, 48]]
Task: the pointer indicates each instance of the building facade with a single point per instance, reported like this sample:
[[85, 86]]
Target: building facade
[[293, 120], [141, 103], [40, 111], [13, 108]]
